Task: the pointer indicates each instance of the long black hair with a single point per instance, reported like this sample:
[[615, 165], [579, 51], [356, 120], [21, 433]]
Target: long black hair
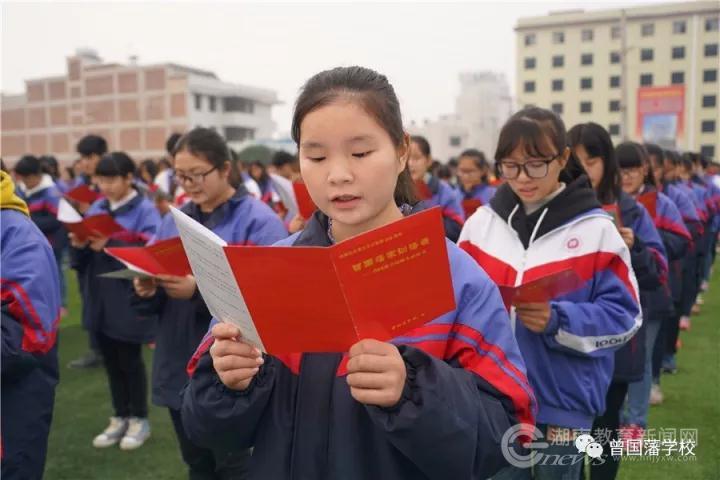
[[597, 143]]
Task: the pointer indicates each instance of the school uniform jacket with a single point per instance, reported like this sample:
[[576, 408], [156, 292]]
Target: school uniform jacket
[[443, 195], [30, 292], [42, 202], [570, 364], [107, 307], [242, 220], [482, 192], [465, 386]]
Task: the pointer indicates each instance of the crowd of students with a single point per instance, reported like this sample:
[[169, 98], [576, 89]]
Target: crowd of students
[[433, 403]]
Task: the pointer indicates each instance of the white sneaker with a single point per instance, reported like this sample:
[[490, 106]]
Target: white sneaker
[[112, 434], [138, 431], [656, 395]]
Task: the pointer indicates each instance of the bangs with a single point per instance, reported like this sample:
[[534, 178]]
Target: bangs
[[629, 156], [526, 134]]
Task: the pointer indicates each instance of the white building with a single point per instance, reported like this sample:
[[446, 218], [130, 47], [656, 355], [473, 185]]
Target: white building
[[481, 108]]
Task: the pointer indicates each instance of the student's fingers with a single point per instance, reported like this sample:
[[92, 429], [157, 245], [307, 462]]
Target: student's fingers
[[368, 362], [370, 345], [369, 380], [224, 330], [379, 397], [531, 306], [236, 362], [233, 347]]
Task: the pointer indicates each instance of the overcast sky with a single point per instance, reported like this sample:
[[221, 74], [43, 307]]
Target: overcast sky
[[421, 47]]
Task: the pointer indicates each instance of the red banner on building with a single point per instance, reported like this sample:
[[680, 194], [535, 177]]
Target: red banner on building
[[661, 114]]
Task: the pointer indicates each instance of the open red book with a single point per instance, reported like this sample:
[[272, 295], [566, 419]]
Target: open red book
[[83, 194], [649, 201], [305, 203], [379, 285], [96, 225], [165, 257], [470, 205], [542, 289], [613, 210]]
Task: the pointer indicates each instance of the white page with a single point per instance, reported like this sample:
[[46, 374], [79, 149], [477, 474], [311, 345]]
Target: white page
[[67, 214], [214, 276], [125, 274]]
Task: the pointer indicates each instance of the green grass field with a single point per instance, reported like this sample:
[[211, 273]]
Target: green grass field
[[82, 408]]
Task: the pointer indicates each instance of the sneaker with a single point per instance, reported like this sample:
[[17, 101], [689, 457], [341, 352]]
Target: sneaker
[[669, 365], [696, 310], [678, 344], [138, 431], [90, 360], [700, 300], [656, 395], [112, 434], [685, 322], [704, 286]]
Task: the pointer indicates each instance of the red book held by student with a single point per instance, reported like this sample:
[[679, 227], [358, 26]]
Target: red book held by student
[[166, 257], [97, 225], [83, 194], [305, 203], [379, 285], [542, 289]]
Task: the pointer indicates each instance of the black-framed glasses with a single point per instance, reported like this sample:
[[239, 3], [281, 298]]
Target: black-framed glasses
[[630, 172], [535, 168], [194, 177]]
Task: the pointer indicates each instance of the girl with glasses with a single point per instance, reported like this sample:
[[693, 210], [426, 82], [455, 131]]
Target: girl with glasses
[[203, 168], [543, 220], [472, 172]]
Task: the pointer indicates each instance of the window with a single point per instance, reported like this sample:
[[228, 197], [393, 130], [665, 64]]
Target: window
[[615, 81], [679, 26], [585, 107], [557, 85], [614, 106], [614, 129], [455, 141], [530, 39], [586, 59], [587, 35], [709, 101], [530, 63], [708, 126], [586, 83], [646, 55], [677, 78], [711, 50], [529, 87], [198, 101], [238, 104], [678, 53], [711, 24], [708, 151], [558, 37], [213, 103], [558, 61], [709, 76], [239, 134], [557, 108], [646, 80], [615, 32], [647, 29], [614, 57]]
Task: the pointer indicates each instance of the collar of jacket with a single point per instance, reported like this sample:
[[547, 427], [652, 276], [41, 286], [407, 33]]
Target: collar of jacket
[[217, 216]]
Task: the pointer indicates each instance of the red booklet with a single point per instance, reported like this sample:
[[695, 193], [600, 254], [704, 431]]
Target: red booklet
[[166, 257], [83, 194], [542, 289], [97, 225], [305, 203], [379, 285], [470, 205], [649, 201], [613, 210]]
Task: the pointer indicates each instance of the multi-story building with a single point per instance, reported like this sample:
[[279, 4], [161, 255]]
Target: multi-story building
[[135, 107], [661, 87], [481, 108]]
